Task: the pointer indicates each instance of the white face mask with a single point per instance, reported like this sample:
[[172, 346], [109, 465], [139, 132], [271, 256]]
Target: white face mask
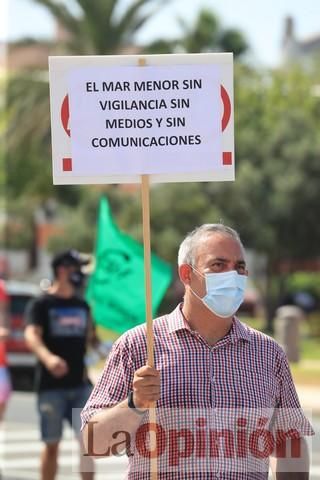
[[225, 292]]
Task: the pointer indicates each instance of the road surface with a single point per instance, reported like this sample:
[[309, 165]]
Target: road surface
[[20, 447]]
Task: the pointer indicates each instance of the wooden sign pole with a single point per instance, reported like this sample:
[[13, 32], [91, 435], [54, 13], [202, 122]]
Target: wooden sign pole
[[147, 276], [145, 197], [147, 264]]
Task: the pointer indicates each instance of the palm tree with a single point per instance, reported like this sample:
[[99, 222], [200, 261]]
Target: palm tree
[[94, 27]]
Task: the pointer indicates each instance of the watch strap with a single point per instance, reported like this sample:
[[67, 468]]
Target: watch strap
[[132, 405]]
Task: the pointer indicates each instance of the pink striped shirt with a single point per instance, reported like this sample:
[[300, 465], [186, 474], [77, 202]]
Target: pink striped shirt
[[244, 370]]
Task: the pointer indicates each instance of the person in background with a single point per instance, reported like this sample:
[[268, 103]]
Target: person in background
[[59, 329], [5, 383]]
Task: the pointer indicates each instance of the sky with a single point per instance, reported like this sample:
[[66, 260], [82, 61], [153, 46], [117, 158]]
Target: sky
[[261, 22]]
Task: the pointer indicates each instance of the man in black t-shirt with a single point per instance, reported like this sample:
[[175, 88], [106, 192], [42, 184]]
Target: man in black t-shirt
[[59, 327]]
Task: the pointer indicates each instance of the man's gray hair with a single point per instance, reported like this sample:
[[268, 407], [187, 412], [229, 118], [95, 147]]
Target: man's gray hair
[[187, 249]]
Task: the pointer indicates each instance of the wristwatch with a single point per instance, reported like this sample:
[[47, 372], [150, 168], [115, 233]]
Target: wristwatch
[[132, 405]]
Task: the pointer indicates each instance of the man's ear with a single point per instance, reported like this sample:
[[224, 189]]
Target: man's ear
[[185, 273]]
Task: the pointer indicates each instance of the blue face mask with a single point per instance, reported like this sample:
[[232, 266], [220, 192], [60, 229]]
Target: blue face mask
[[225, 292]]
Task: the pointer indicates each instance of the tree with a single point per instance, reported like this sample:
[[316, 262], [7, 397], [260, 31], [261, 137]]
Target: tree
[[95, 27], [207, 35], [274, 200]]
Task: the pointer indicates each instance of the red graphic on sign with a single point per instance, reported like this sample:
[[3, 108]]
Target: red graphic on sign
[[227, 158], [226, 107], [67, 164], [65, 115]]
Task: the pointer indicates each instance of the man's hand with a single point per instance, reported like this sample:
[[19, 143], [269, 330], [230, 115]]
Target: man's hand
[[57, 366], [53, 363], [146, 387]]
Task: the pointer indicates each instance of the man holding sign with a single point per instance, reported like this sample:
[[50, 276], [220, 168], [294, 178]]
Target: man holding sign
[[214, 378], [169, 118]]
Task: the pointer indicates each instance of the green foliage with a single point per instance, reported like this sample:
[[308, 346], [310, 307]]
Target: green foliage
[[304, 281], [283, 157], [18, 229], [78, 223], [232, 40], [176, 210], [314, 329], [274, 202], [207, 35]]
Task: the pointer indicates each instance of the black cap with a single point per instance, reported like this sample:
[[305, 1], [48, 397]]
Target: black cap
[[68, 258]]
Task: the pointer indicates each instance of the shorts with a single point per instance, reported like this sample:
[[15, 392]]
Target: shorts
[[5, 385], [55, 406]]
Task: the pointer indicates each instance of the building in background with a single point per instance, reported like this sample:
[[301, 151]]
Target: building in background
[[302, 51]]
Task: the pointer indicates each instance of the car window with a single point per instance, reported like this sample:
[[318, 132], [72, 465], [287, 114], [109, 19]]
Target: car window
[[18, 304]]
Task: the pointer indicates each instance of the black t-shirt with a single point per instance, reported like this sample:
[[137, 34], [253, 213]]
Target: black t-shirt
[[64, 323]]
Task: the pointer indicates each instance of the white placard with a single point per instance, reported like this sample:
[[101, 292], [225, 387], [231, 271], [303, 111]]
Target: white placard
[[113, 120]]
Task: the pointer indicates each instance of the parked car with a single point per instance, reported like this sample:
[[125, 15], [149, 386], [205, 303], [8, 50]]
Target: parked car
[[21, 360]]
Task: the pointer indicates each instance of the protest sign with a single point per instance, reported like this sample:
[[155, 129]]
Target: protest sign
[[113, 121]]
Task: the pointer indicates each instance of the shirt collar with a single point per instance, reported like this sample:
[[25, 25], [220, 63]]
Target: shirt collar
[[176, 320], [238, 331]]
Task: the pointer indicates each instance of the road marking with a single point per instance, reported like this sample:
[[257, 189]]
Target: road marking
[[34, 446], [20, 456]]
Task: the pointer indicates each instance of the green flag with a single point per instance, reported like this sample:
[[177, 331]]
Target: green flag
[[116, 289]]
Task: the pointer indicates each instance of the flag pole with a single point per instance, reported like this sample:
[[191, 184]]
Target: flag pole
[[145, 197]]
